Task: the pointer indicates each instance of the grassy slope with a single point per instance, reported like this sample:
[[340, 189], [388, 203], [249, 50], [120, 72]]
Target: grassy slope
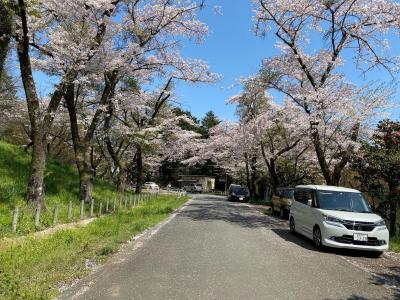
[[61, 186], [32, 268]]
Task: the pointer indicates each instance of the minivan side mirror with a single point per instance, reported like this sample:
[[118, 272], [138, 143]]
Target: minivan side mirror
[[309, 202]]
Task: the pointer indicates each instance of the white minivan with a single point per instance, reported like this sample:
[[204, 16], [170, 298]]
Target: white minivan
[[337, 217]]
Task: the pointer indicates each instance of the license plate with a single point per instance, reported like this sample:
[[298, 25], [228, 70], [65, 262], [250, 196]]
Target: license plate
[[361, 237], [241, 198]]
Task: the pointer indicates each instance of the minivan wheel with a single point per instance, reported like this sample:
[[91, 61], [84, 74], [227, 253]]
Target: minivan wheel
[[317, 238], [292, 226]]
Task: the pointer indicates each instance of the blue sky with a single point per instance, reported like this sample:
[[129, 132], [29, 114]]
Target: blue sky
[[233, 50]]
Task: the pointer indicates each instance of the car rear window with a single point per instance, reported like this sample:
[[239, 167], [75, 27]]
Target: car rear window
[[286, 193], [238, 189]]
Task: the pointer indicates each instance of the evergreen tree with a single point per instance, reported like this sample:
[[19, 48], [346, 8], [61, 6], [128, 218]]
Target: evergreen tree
[[209, 121]]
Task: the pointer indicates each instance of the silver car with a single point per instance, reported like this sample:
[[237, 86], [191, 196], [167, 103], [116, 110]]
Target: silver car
[[193, 188], [151, 186]]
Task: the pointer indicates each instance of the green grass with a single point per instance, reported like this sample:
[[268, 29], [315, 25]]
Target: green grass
[[61, 186], [32, 268], [395, 244]]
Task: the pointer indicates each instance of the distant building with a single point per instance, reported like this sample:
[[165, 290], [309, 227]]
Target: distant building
[[207, 182]]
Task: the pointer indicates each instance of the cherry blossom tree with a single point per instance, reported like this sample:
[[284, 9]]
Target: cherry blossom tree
[[281, 137], [278, 131], [232, 148], [221, 147], [59, 38], [251, 103], [151, 127], [337, 111], [142, 46]]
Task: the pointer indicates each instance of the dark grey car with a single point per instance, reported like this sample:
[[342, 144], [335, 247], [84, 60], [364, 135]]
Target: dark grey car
[[237, 192]]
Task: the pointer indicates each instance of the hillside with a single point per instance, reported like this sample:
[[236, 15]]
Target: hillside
[[61, 186]]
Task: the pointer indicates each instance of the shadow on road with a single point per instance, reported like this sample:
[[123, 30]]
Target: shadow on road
[[382, 271], [297, 239], [218, 209], [356, 297], [389, 277]]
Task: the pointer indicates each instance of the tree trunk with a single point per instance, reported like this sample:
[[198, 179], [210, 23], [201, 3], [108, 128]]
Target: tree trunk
[[35, 192], [85, 175], [253, 175], [333, 178], [271, 169], [35, 195], [393, 216], [82, 144], [248, 180], [139, 169], [81, 149], [226, 182], [116, 155], [93, 164], [274, 176], [121, 178], [393, 198], [321, 158]]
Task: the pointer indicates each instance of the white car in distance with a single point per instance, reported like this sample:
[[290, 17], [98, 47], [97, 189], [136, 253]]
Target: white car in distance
[[151, 186], [193, 188], [337, 217]]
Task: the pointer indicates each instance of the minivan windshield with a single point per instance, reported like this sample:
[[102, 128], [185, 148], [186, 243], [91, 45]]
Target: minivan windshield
[[343, 201]]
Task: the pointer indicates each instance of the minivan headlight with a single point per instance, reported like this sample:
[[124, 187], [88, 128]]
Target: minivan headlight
[[380, 223], [333, 221]]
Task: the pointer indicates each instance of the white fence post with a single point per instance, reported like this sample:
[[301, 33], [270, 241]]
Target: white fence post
[[100, 207], [15, 219], [69, 211], [81, 210], [91, 207], [37, 216], [55, 215]]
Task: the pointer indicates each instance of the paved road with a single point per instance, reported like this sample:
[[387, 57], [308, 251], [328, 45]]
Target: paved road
[[214, 249]]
